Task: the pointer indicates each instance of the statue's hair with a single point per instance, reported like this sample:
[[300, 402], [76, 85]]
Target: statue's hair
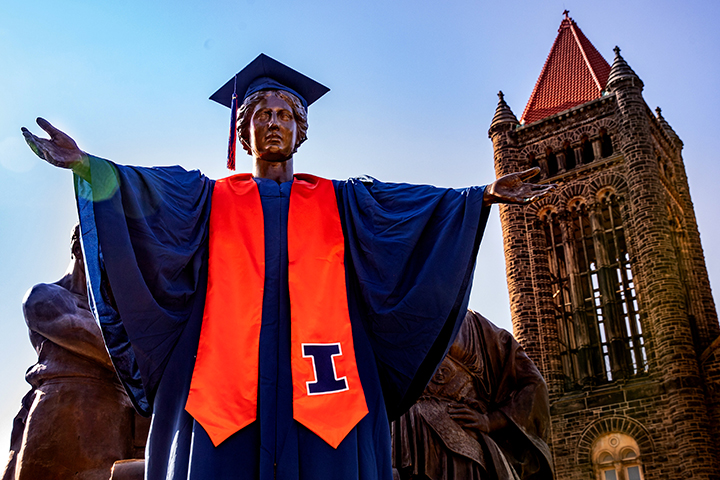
[[75, 245], [247, 109]]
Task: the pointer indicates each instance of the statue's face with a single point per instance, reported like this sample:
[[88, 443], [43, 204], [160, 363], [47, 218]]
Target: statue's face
[[273, 131]]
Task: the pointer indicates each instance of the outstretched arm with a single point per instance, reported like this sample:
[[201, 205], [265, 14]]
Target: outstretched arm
[[59, 150], [514, 189]]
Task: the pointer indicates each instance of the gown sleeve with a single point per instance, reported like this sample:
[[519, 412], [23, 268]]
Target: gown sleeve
[[411, 251], [144, 234]]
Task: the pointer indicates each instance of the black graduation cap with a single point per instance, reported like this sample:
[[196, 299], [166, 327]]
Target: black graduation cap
[[264, 73]]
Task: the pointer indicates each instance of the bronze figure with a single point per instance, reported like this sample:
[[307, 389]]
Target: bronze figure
[[76, 420], [484, 415]]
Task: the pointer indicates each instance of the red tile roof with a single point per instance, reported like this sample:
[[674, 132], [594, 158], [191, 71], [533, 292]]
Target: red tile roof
[[574, 73]]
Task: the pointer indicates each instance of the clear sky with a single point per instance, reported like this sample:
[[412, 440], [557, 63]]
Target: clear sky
[[413, 90]]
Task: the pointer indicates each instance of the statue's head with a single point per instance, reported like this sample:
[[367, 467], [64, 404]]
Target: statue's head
[[247, 111], [267, 80]]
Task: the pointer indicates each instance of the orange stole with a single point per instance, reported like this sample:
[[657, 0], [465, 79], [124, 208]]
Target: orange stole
[[223, 391]]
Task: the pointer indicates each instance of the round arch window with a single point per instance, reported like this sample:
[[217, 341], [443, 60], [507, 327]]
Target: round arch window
[[616, 456]]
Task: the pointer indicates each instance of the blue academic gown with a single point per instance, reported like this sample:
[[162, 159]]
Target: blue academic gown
[[410, 253]]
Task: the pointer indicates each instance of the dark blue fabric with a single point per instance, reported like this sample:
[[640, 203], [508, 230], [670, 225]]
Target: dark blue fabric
[[413, 249], [267, 83], [101, 304], [409, 258]]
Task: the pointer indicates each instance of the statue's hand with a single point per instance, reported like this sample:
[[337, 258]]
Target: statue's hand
[[475, 422], [469, 418], [59, 150], [513, 189]]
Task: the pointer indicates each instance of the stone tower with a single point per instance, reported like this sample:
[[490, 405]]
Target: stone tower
[[608, 286]]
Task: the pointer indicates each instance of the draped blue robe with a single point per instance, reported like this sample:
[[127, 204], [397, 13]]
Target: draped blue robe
[[410, 254]]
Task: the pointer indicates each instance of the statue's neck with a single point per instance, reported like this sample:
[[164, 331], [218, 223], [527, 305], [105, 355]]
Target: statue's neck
[[279, 171]]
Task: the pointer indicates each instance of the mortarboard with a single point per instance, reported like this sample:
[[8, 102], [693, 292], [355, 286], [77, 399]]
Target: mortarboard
[[264, 73]]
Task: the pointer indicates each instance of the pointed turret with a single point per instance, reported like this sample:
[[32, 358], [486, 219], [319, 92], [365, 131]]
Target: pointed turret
[[502, 134], [503, 113], [621, 72], [574, 73], [667, 128]]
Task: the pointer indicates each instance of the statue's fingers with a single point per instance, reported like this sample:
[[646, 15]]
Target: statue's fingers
[[539, 190], [546, 191], [49, 128], [33, 143], [529, 173], [40, 147], [36, 150], [463, 417], [458, 408], [29, 137], [537, 195]]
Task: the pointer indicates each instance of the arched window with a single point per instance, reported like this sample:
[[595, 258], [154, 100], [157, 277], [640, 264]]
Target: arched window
[[606, 145], [591, 280], [552, 164], [587, 151], [570, 162], [560, 285], [616, 456], [629, 350], [595, 353], [533, 162]]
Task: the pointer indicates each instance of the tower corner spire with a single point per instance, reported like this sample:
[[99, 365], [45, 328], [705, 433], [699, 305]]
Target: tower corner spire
[[667, 128], [620, 73], [503, 114]]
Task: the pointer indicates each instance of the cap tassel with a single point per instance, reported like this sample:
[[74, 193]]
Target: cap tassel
[[232, 141]]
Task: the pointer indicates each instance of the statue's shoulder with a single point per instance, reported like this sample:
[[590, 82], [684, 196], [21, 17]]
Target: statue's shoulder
[[44, 291], [48, 300]]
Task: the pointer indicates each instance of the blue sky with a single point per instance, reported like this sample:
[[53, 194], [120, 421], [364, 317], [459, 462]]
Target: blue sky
[[413, 90]]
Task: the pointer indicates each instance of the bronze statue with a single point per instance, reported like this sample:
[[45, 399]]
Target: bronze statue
[[77, 420], [484, 415], [214, 415]]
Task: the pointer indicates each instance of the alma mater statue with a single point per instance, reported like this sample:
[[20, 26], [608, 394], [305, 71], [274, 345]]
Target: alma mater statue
[[273, 335]]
